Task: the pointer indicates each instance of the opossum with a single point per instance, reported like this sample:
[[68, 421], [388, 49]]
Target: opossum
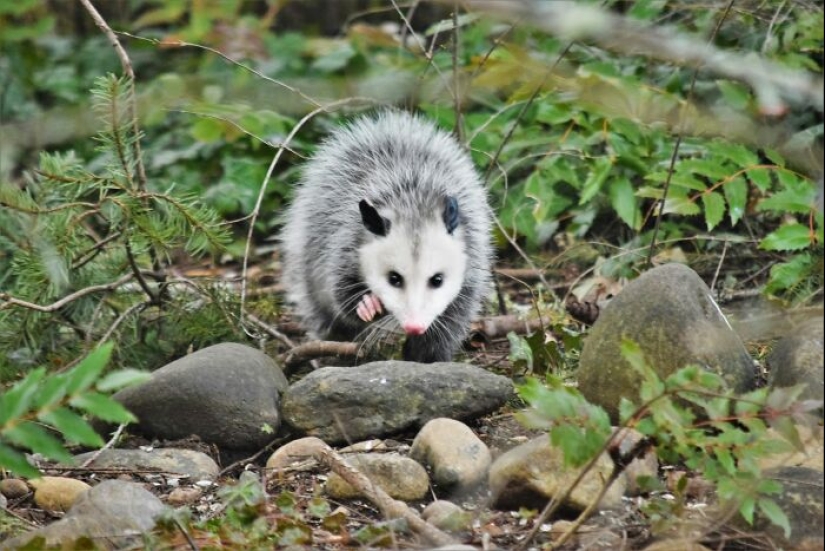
[[390, 216]]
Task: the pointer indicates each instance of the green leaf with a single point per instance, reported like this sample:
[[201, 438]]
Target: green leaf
[[208, 130], [73, 427], [102, 407], [17, 401], [51, 391], [623, 201], [597, 177], [121, 379], [737, 153], [16, 461], [736, 194], [796, 198], [790, 237], [736, 94], [714, 205], [775, 514], [520, 351], [712, 169], [84, 374], [31, 436]]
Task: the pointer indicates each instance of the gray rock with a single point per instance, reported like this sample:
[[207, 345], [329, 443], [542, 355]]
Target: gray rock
[[226, 394], [455, 456], [670, 314], [644, 466], [190, 464], [447, 516], [345, 404], [802, 501], [401, 477], [798, 358], [531, 474], [298, 452], [114, 514]]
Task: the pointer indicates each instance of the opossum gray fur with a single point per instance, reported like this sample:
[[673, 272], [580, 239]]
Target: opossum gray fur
[[389, 215]]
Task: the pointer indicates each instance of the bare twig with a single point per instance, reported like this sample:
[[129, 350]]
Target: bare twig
[[271, 331], [388, 506], [9, 301], [320, 349], [127, 68], [270, 170], [679, 135], [112, 441]]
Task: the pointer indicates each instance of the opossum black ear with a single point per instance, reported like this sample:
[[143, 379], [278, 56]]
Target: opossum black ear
[[373, 221], [451, 214]]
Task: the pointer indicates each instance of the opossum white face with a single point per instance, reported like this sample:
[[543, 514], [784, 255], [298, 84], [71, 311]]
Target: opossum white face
[[415, 274]]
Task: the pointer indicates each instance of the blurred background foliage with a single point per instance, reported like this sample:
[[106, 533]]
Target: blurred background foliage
[[576, 142]]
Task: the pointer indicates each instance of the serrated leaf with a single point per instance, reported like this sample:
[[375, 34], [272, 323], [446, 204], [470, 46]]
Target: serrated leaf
[[121, 379], [714, 205], [790, 237], [775, 514], [73, 427], [712, 169], [16, 461], [29, 435], [761, 178], [796, 199], [102, 407], [623, 201], [736, 194], [681, 205], [736, 94], [84, 374], [737, 153]]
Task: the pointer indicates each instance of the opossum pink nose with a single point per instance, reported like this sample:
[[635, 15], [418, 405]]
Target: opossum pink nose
[[414, 328]]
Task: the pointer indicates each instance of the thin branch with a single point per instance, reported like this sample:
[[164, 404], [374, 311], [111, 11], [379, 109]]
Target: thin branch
[[269, 171], [130, 73], [9, 300], [679, 135], [458, 130]]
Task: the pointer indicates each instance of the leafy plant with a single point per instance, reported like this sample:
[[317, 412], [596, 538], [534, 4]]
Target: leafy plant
[[691, 418], [72, 238], [41, 404]]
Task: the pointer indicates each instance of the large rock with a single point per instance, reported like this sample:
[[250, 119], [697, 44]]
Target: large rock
[[798, 359], [533, 473], [670, 314], [346, 404], [190, 464], [226, 394], [113, 514]]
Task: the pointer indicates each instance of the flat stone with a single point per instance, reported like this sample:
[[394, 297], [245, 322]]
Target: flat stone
[[346, 404], [57, 494], [190, 464], [455, 456]]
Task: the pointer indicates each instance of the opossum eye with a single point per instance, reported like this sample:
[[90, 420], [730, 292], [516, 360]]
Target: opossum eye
[[395, 279], [437, 280]]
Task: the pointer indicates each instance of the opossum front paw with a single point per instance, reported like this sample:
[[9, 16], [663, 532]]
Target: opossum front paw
[[369, 307]]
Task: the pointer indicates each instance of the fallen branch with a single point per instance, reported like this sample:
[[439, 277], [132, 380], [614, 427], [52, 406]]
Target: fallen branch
[[320, 349], [389, 507], [497, 327]]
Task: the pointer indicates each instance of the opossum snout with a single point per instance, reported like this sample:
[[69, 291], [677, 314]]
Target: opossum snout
[[414, 328]]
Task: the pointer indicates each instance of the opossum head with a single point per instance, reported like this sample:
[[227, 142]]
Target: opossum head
[[415, 269]]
